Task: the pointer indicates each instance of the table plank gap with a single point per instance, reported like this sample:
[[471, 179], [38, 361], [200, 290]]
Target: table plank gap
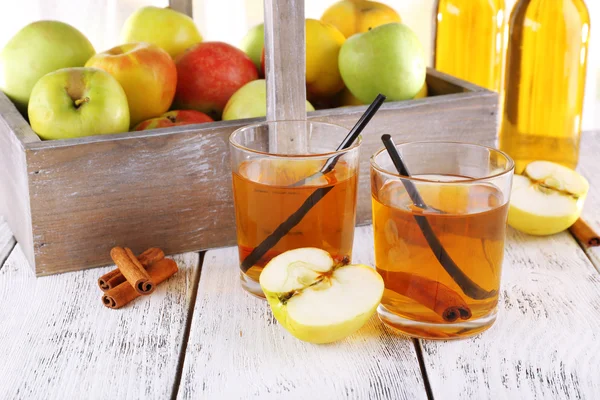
[[546, 341], [588, 167], [7, 241], [238, 350], [186, 333], [419, 351], [60, 342]]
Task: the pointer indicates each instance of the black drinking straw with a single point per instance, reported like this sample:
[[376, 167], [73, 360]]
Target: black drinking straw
[[285, 227], [468, 286]]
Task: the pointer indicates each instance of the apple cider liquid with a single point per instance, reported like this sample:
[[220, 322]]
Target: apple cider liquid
[[264, 199], [421, 298]]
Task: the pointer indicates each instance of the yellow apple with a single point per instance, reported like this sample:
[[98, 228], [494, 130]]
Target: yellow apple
[[358, 16], [147, 74], [323, 44], [170, 30]]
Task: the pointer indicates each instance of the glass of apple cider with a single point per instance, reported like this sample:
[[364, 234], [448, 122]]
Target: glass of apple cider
[[439, 236], [294, 192]]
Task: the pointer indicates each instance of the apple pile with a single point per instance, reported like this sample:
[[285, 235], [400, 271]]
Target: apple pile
[[164, 75]]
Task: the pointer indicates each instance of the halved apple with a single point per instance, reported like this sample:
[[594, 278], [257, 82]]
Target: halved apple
[[546, 199], [317, 300]]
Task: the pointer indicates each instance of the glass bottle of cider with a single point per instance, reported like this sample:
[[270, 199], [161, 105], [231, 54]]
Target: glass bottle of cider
[[469, 40], [544, 81]]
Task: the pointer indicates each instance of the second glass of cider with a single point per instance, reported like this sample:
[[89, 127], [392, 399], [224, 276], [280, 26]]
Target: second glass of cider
[[300, 192], [439, 236]]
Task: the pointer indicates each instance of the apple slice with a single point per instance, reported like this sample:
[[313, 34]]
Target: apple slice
[[546, 199], [317, 300]]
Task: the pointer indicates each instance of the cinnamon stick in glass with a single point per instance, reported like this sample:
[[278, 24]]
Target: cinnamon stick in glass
[[432, 294], [114, 278], [584, 233], [132, 270], [124, 293]]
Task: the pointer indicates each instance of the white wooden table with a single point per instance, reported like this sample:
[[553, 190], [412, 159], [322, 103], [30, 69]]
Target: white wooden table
[[200, 336]]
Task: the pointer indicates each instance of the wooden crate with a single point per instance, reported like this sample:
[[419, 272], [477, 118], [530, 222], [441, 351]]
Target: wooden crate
[[69, 201]]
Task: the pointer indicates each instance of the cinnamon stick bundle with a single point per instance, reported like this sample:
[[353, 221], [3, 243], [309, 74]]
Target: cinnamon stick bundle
[[431, 294], [132, 270], [122, 294], [115, 277], [584, 233]]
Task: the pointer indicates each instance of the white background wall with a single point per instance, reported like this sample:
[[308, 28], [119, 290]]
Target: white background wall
[[228, 20]]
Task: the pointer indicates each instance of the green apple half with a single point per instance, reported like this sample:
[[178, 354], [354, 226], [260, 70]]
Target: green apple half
[[546, 199], [76, 102], [317, 300]]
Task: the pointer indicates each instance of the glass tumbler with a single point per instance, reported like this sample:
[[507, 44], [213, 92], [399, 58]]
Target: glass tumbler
[[291, 189], [439, 236]]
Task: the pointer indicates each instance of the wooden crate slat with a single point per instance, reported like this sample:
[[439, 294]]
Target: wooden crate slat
[[62, 343], [236, 348], [546, 341]]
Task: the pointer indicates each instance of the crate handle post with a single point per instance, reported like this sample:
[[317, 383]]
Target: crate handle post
[[285, 63]]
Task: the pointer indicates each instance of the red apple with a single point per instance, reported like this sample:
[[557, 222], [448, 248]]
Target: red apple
[[208, 74], [262, 63], [174, 118], [147, 74]]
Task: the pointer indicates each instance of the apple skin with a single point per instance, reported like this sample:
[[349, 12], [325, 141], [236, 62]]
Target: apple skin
[[253, 45], [55, 114], [147, 74], [388, 59], [250, 101], [168, 29], [174, 118], [37, 49], [209, 74]]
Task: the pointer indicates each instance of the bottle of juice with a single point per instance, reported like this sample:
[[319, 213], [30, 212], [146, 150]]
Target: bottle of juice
[[544, 81], [469, 40]]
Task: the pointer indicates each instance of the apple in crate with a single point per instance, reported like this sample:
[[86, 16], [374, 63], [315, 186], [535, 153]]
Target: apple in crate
[[388, 59], [254, 43], [250, 101], [174, 118], [168, 29], [208, 74], [147, 74], [318, 300], [76, 102], [37, 49]]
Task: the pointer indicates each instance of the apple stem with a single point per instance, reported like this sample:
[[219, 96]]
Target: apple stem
[[79, 102]]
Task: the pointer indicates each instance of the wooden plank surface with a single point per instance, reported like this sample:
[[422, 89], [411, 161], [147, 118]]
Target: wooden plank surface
[[588, 167], [237, 350], [546, 341], [60, 342], [173, 187]]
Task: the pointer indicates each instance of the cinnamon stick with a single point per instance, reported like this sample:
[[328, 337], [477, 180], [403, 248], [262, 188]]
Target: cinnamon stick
[[124, 293], [584, 233], [132, 270], [115, 277], [431, 294]]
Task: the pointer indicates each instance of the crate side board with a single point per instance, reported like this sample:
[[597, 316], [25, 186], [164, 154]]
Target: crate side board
[[15, 134], [172, 188]]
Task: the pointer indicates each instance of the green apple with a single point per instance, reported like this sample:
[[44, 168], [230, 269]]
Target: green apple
[[317, 300], [388, 59], [253, 44], [37, 49], [546, 199], [170, 30], [77, 102], [250, 101]]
